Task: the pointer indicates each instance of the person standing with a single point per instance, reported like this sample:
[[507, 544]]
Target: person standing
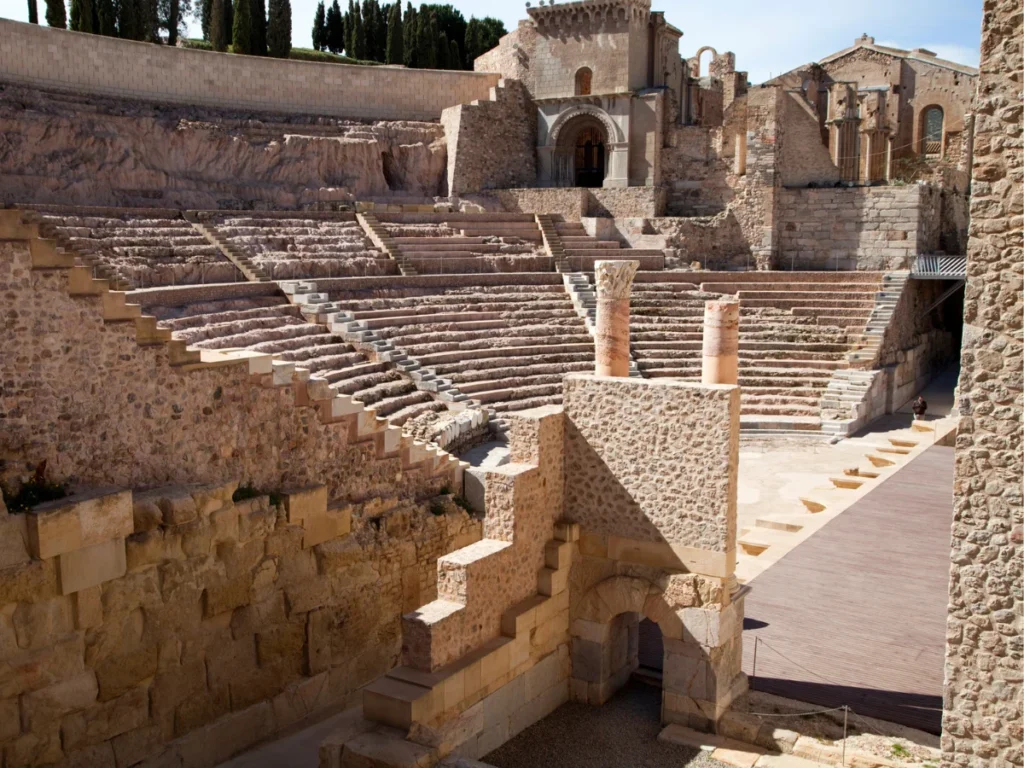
[[919, 407]]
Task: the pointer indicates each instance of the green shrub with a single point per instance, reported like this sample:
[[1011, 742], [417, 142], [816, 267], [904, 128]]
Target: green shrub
[[33, 493]]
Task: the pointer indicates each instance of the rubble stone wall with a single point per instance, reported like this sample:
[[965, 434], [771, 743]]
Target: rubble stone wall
[[84, 396], [867, 228], [192, 626], [39, 56], [983, 701], [491, 142], [630, 479]]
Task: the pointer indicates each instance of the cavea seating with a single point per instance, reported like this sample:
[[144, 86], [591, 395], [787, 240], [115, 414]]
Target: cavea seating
[[302, 245], [795, 331], [268, 324], [505, 344], [449, 243], [139, 247]]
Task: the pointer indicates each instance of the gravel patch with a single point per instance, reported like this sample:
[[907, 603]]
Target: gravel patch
[[621, 734]]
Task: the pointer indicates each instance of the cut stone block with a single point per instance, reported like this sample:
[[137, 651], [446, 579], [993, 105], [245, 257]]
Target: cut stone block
[[91, 566], [80, 521], [398, 703], [558, 554], [306, 503]]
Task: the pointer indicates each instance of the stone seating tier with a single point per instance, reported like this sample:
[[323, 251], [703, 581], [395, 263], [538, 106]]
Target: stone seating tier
[[265, 325], [138, 247], [301, 246], [509, 344]]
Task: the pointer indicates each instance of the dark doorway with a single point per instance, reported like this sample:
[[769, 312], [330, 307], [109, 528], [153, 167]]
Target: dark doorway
[[590, 158], [651, 647]]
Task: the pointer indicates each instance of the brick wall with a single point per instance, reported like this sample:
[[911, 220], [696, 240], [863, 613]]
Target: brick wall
[[983, 697], [869, 228], [39, 56]]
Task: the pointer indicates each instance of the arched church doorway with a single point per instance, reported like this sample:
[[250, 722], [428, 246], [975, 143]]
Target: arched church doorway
[[581, 155], [590, 158]]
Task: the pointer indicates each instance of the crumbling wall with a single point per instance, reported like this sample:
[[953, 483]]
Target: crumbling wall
[[983, 697], [190, 626], [69, 149], [803, 158], [491, 142]]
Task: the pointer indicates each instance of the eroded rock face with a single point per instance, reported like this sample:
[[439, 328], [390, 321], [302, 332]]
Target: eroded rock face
[[61, 148]]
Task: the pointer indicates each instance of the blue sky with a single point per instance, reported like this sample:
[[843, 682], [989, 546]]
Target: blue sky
[[768, 38]]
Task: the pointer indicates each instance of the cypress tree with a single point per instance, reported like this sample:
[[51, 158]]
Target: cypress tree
[[129, 20], [106, 16], [454, 57], [219, 29], [427, 39], [359, 35], [409, 31], [335, 38], [173, 17], [279, 29], [33, 12], [442, 51], [56, 14], [74, 20], [350, 29], [258, 19], [87, 16], [320, 27], [205, 17], [393, 53], [241, 30]]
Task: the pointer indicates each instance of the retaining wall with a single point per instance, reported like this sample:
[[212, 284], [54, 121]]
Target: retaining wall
[[51, 58]]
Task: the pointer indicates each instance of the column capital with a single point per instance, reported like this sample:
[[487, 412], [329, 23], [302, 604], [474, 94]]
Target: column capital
[[614, 278]]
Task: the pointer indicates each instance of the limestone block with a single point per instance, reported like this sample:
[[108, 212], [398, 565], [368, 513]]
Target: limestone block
[[331, 525], [521, 618], [177, 505], [50, 704], [566, 531], [379, 750], [305, 503], [13, 540], [105, 721], [118, 674], [551, 582], [80, 521], [36, 624], [92, 565], [398, 703], [558, 554], [10, 719]]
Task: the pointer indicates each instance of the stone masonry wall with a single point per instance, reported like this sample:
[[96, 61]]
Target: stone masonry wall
[[630, 478], [192, 626], [983, 701], [491, 142], [49, 58], [868, 228], [85, 397]]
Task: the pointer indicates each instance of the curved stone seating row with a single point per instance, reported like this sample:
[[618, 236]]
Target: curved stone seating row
[[504, 343], [446, 243], [301, 245], [269, 325], [137, 247], [796, 331]]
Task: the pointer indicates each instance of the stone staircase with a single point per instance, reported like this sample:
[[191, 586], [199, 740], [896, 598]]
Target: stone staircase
[[379, 236], [253, 273], [867, 347], [552, 242]]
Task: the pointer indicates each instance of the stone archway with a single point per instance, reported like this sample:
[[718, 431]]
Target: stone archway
[[582, 140], [701, 674]]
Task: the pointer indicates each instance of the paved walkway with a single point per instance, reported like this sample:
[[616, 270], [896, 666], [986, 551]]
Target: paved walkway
[[856, 614]]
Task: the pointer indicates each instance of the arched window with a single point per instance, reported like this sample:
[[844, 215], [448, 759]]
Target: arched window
[[931, 131], [583, 78]]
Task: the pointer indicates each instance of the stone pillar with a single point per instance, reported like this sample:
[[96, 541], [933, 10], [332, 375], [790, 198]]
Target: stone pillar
[[720, 361], [614, 279]]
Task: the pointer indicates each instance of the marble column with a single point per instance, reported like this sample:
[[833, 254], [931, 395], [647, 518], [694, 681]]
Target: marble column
[[614, 280], [720, 362]]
